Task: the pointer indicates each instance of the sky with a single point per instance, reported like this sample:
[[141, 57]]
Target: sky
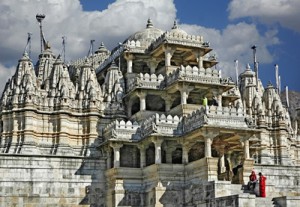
[[231, 27]]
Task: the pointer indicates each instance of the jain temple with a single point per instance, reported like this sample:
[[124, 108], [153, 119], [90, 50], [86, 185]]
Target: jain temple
[[151, 123]]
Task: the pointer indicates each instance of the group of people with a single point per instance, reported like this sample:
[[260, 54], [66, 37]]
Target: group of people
[[261, 181]]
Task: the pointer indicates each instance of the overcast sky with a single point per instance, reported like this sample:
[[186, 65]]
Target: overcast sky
[[231, 27]]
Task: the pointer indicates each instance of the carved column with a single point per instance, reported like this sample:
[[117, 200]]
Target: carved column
[[222, 161], [108, 154], [208, 143], [199, 57], [157, 144], [168, 101], [184, 91], [185, 154], [142, 155], [168, 55], [129, 57], [184, 96], [116, 147], [152, 64], [246, 149], [142, 97]]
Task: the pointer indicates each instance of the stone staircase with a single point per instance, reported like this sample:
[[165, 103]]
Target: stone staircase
[[259, 201], [264, 202]]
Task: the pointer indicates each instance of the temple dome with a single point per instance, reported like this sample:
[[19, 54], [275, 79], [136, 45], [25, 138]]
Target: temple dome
[[176, 31], [147, 35]]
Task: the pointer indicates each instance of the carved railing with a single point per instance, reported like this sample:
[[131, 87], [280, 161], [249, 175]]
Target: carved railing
[[162, 125], [179, 38], [226, 116], [146, 80], [121, 130], [133, 43], [194, 121], [215, 116], [194, 74]]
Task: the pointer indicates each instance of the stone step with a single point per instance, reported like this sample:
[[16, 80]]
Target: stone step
[[264, 202], [239, 188], [236, 189]]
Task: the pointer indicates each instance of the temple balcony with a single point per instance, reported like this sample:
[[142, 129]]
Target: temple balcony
[[161, 125], [142, 115], [216, 116], [184, 109], [121, 130], [168, 125], [194, 74], [167, 69], [145, 81]]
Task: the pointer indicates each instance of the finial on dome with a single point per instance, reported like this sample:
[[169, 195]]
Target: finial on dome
[[248, 67], [25, 54], [47, 45], [101, 49], [175, 25], [149, 23]]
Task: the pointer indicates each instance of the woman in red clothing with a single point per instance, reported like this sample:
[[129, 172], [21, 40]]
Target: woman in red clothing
[[262, 185], [252, 181]]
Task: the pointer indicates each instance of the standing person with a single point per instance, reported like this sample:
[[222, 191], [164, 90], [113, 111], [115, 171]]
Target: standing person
[[262, 185], [215, 102]]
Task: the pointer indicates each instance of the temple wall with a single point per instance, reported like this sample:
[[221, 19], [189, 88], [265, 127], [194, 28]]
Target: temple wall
[[281, 180], [51, 181]]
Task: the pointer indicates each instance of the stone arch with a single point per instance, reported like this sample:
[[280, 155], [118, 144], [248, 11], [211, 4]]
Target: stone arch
[[197, 151], [195, 98], [155, 103]]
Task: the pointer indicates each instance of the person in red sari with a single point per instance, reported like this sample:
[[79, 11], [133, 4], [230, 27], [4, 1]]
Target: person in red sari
[[252, 180], [262, 185]]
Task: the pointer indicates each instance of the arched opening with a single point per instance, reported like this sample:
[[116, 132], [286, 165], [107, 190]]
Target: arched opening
[[177, 156], [135, 107], [155, 103], [150, 155], [176, 102], [197, 152]]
